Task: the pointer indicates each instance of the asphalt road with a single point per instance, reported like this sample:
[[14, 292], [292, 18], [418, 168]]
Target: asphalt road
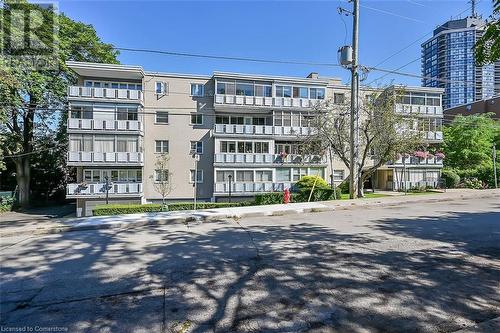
[[429, 267]]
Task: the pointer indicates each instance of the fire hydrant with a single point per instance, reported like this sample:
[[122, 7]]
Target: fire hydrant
[[286, 196]]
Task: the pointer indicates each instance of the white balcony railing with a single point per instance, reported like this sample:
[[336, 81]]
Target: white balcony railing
[[266, 101], [235, 158], [433, 135], [105, 93], [99, 188], [98, 157], [110, 125], [263, 130], [244, 187], [419, 109], [412, 161]]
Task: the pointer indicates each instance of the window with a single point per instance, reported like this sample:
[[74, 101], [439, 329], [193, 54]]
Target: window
[[316, 172], [263, 90], [161, 146], [196, 119], [244, 176], [199, 176], [103, 144], [338, 98], [226, 88], [299, 173], [317, 93], [263, 176], [161, 117], [244, 89], [161, 88], [126, 144], [81, 112], [283, 174], [196, 146], [283, 91], [161, 175], [126, 113], [261, 147], [300, 92], [222, 119], [223, 176], [197, 89]]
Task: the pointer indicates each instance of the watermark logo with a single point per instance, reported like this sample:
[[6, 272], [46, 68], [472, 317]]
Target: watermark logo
[[29, 34]]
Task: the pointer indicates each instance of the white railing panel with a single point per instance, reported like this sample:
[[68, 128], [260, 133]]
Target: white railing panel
[[122, 93], [239, 129], [98, 124], [86, 92], [110, 93], [134, 94], [219, 99], [229, 99], [134, 125], [98, 157], [109, 124], [219, 128], [110, 157], [99, 92], [259, 101], [248, 100], [73, 156], [73, 123], [268, 101], [239, 99], [85, 156], [74, 91], [121, 124], [249, 129], [122, 157]]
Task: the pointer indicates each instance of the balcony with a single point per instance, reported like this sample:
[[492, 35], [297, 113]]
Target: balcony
[[84, 157], [415, 161], [263, 130], [250, 188], [256, 101], [234, 158], [108, 125], [433, 135], [419, 109], [99, 189], [128, 95]]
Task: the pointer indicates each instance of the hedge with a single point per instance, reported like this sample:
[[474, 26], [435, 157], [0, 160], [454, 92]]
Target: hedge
[[451, 178], [204, 205], [302, 195], [319, 194], [116, 209]]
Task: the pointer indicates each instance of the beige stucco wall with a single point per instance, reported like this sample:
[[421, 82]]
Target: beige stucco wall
[[179, 132]]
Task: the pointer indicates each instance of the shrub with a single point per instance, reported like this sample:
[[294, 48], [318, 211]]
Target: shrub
[[148, 208], [473, 183], [451, 178], [117, 209], [319, 194], [308, 182], [204, 205], [344, 186], [6, 203], [271, 198]]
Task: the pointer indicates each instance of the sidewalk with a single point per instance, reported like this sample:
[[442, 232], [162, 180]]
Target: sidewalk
[[15, 228]]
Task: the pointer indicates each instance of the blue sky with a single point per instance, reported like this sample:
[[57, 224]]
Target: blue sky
[[310, 31]]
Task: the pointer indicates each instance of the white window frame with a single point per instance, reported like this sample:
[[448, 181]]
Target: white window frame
[[191, 173], [164, 88], [162, 146], [162, 123], [197, 84], [191, 148], [156, 175], [196, 114]]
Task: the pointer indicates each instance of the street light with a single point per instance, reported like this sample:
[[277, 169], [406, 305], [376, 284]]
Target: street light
[[196, 157], [229, 177], [107, 187]]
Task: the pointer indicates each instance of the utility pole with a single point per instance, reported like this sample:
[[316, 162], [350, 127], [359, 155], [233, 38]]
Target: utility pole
[[107, 187], [196, 157], [354, 130], [495, 164]]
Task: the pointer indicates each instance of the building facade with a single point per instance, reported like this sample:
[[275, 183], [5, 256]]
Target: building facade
[[449, 56], [226, 135]]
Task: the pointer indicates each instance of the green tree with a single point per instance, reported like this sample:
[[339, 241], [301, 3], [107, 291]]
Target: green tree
[[383, 133], [487, 48], [30, 99], [468, 141]]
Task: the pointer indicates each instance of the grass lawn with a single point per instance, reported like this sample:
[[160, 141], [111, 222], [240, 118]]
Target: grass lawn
[[345, 196]]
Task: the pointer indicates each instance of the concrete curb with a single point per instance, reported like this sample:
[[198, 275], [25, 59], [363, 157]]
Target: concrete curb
[[187, 216], [393, 201]]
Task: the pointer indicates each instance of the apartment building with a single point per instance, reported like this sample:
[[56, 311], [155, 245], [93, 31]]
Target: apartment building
[[227, 135], [449, 56]]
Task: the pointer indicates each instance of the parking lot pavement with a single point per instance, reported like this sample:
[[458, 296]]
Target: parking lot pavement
[[418, 267]]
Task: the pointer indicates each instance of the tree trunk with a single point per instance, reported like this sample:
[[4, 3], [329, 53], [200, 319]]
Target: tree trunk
[[361, 183], [23, 177]]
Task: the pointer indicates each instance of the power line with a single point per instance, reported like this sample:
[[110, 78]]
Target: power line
[[393, 14], [218, 57], [411, 44]]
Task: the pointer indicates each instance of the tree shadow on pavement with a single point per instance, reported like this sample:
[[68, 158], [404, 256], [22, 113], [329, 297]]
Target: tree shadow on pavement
[[227, 278]]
